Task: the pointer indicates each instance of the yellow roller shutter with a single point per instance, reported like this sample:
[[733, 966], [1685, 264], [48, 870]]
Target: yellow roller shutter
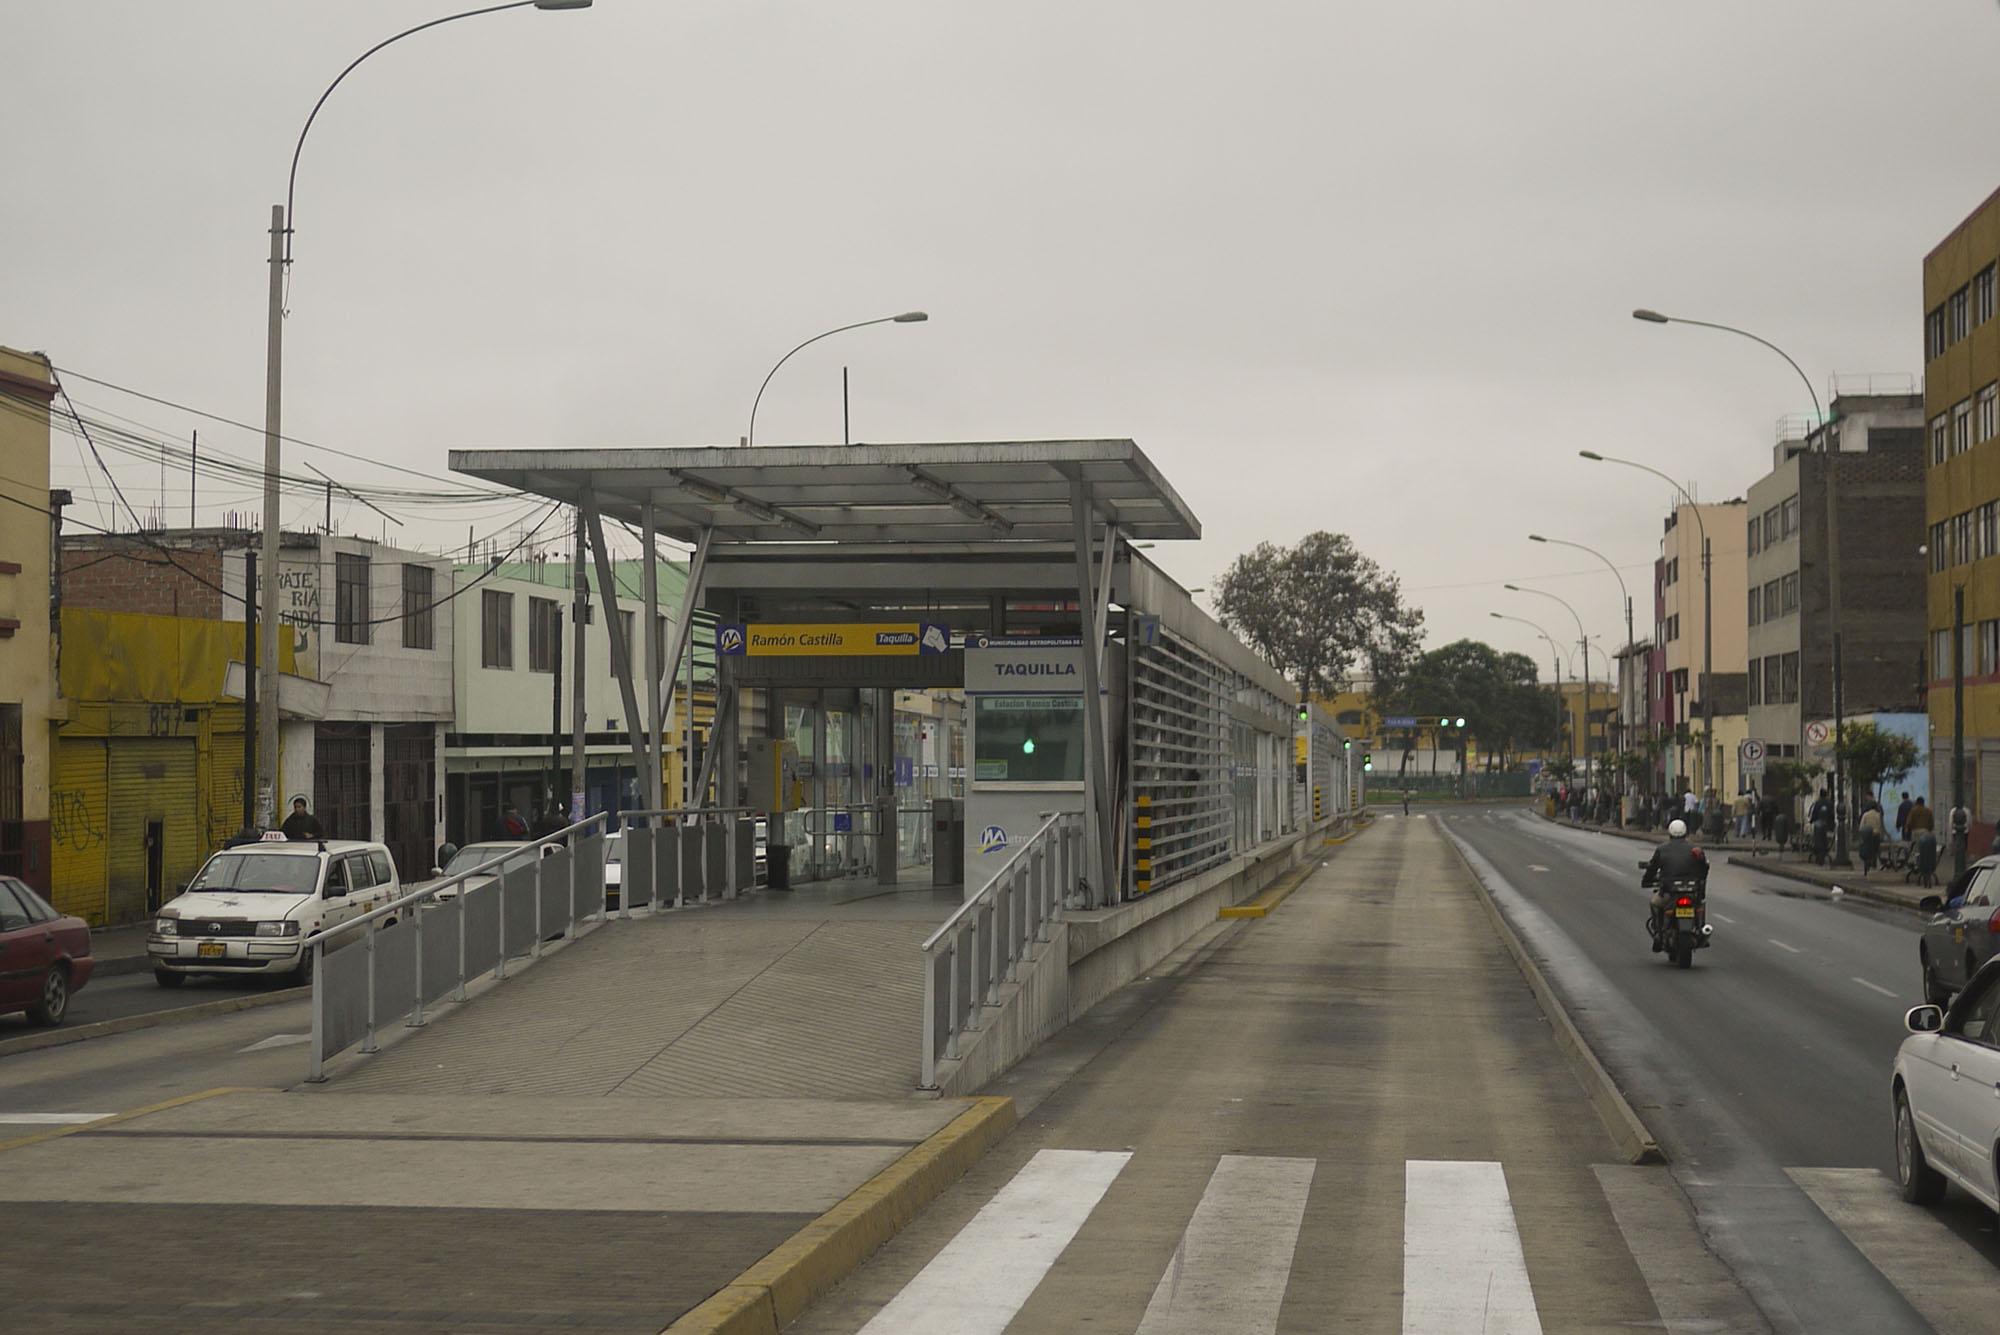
[[77, 829], [155, 841]]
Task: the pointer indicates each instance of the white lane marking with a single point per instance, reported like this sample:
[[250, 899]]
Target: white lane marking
[[983, 1275], [1874, 987], [1691, 1287], [1462, 1263], [277, 1041], [1230, 1271], [1944, 1277], [1536, 866], [52, 1119], [1782, 946], [1721, 918]]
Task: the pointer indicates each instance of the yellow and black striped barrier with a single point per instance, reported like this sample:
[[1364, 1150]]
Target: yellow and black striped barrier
[[1142, 864]]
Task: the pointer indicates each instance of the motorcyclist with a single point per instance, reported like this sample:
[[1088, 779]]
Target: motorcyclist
[[1675, 862]]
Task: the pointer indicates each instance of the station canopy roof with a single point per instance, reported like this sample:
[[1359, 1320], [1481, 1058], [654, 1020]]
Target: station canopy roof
[[955, 493]]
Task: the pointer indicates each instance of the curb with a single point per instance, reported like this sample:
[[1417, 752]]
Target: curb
[[55, 1038], [1618, 1116], [774, 1292], [57, 1133], [1269, 899], [111, 966]]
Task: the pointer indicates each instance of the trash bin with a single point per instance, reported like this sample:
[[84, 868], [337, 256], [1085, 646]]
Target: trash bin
[[777, 866]]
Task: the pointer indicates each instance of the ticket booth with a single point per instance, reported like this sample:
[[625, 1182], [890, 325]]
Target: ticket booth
[[1025, 751]]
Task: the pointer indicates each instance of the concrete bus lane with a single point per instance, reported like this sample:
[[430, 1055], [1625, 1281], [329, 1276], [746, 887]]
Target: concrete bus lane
[[1761, 1070], [1348, 1115]]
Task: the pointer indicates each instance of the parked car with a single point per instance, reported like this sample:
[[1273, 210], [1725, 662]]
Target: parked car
[[44, 955], [1945, 1090], [1963, 931], [477, 855], [250, 908]]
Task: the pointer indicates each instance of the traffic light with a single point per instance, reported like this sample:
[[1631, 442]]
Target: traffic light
[[1460, 723], [1347, 743], [1367, 761], [1304, 709], [1444, 723]]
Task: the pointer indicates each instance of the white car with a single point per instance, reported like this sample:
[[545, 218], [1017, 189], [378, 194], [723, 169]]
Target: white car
[[250, 907], [474, 855], [1946, 1088]]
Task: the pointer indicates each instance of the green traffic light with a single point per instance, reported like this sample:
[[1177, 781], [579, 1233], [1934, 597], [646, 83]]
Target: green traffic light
[[1028, 747], [1444, 723], [1461, 722]]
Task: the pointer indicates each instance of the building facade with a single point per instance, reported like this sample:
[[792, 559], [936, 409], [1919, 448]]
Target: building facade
[[30, 705], [1874, 534], [1962, 510], [1689, 603]]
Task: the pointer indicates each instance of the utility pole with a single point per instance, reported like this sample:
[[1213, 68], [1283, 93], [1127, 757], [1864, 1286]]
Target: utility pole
[[579, 615], [1957, 726], [250, 688]]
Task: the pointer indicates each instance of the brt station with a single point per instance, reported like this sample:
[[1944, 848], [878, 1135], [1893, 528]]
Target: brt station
[[1004, 573]]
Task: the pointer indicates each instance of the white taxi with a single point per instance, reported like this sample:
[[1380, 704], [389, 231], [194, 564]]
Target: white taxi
[[251, 906], [1946, 1092]]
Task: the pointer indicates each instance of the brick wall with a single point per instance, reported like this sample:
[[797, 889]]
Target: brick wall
[[120, 574]]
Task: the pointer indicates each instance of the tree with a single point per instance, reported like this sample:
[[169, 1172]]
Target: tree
[[1872, 757], [1787, 779], [1497, 694], [1317, 609]]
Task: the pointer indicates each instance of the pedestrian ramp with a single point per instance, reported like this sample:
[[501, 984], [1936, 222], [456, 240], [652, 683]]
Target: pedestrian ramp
[[1463, 1266]]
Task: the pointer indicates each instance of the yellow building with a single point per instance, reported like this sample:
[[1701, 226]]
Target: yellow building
[[1962, 504], [29, 703]]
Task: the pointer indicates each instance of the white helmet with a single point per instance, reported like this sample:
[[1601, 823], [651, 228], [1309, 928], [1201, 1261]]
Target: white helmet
[[1676, 828]]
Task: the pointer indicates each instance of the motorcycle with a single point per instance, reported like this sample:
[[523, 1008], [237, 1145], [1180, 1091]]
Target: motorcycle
[[1683, 927]]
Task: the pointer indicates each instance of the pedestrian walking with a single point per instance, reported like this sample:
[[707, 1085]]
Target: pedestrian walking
[[1869, 843], [301, 824], [511, 824], [1903, 818]]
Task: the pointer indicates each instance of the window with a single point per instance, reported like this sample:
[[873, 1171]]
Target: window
[[1756, 532], [1934, 334], [1771, 527], [1028, 739], [1982, 296], [1774, 690], [1789, 680], [1986, 421], [1680, 681], [1937, 549], [1959, 310], [1756, 606], [1772, 611], [417, 603], [1940, 439], [544, 634], [1755, 681], [1989, 649], [1674, 627], [1667, 573], [1788, 518], [1961, 426], [1986, 530], [350, 598], [625, 629], [1961, 538], [496, 629], [1788, 592], [1941, 655]]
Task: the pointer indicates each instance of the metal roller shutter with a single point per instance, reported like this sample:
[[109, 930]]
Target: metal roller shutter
[[154, 834], [77, 829]]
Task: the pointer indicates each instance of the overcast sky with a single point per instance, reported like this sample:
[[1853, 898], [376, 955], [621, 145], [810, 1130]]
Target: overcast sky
[[1358, 267]]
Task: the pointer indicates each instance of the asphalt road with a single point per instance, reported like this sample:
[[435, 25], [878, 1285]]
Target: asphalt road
[[114, 996], [1771, 1054]]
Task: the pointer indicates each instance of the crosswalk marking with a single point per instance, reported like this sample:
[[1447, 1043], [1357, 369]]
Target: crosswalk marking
[[1462, 1264], [1691, 1287], [1944, 1277], [983, 1275], [1233, 1262]]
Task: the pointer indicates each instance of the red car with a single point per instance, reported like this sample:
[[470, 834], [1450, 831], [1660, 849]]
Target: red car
[[44, 956]]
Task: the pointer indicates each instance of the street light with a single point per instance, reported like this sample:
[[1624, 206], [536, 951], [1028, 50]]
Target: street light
[[1555, 651], [281, 259], [1707, 610], [1559, 542], [907, 317], [1584, 638], [1832, 583]]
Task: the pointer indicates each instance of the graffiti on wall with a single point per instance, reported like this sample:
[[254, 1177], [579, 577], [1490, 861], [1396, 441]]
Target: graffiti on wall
[[72, 824]]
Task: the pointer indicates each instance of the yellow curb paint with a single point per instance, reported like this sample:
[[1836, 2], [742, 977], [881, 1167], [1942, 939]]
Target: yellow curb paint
[[774, 1292], [115, 1118], [1262, 905]]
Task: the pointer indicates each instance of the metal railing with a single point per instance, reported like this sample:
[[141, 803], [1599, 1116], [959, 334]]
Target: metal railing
[[694, 854], [990, 936], [431, 949]]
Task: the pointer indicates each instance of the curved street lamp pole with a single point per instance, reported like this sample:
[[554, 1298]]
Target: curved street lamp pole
[[1622, 592], [1583, 638], [1707, 611], [1832, 587], [1555, 652], [907, 317], [281, 259]]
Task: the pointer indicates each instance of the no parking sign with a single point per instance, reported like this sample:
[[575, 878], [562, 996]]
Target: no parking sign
[[1750, 757]]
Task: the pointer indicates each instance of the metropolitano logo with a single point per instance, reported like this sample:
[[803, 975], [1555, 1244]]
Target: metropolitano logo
[[992, 839]]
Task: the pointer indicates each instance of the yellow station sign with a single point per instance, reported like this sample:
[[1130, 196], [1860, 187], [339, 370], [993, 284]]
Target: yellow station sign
[[832, 640]]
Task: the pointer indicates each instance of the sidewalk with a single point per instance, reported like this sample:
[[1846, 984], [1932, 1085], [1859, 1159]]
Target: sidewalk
[[710, 1111], [120, 949]]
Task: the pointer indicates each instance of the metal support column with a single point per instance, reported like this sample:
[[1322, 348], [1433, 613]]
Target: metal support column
[[579, 760], [1097, 810], [651, 773], [614, 626], [886, 852]]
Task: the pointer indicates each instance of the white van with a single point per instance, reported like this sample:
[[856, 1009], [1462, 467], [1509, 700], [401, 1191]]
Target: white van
[[251, 906]]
